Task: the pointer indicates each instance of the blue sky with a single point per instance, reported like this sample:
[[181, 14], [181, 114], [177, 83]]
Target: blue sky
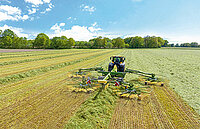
[[174, 20]]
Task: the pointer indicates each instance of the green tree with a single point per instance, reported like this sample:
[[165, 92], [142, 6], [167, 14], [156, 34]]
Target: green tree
[[30, 43], [71, 42], [194, 44], [55, 43], [7, 42], [24, 43], [127, 45], [104, 42], [15, 42], [64, 42], [136, 42], [118, 43], [109, 45], [151, 42], [9, 33], [165, 44], [161, 42], [98, 42], [42, 41], [128, 40], [177, 45]]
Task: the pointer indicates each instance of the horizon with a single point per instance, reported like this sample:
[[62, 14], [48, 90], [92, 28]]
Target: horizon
[[175, 21]]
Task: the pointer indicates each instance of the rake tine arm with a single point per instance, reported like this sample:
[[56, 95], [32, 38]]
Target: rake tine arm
[[90, 69]]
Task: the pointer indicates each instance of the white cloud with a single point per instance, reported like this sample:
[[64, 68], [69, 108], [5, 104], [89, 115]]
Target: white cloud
[[94, 28], [25, 17], [56, 28], [19, 31], [79, 33], [11, 13], [32, 11], [48, 9], [10, 10], [47, 1], [87, 8], [5, 16], [35, 2], [94, 24], [69, 18], [62, 24], [51, 5]]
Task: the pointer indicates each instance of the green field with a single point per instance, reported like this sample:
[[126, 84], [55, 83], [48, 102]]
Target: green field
[[181, 67], [34, 90]]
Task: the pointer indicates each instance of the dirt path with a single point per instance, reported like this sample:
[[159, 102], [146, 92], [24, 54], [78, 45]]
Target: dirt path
[[163, 109]]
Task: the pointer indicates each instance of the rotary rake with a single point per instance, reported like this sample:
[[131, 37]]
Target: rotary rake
[[114, 78]]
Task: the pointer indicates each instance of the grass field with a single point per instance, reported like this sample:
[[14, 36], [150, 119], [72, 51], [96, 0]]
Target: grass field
[[34, 90]]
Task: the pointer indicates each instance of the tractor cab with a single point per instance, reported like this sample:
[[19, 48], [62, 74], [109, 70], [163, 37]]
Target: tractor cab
[[119, 62], [117, 59]]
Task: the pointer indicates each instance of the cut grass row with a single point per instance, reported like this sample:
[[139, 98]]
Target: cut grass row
[[36, 53], [165, 108], [47, 67], [23, 67], [41, 58], [45, 97], [162, 110], [39, 55], [96, 112]]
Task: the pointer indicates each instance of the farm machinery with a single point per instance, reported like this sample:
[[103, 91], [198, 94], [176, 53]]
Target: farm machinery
[[114, 78]]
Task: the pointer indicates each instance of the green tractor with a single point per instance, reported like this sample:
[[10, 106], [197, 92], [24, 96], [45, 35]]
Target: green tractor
[[114, 78]]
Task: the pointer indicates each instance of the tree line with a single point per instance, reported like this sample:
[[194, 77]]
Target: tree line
[[192, 44], [8, 39], [129, 42]]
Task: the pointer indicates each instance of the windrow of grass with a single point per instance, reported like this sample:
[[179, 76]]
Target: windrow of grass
[[43, 58], [18, 90], [43, 101], [95, 112], [23, 67], [36, 53], [30, 73]]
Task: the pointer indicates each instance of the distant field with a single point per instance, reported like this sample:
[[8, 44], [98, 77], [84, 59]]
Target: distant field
[[34, 90]]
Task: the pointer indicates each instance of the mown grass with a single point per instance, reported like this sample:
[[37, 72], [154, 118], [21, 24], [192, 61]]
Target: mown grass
[[37, 59], [43, 101], [180, 66], [30, 73], [94, 113]]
